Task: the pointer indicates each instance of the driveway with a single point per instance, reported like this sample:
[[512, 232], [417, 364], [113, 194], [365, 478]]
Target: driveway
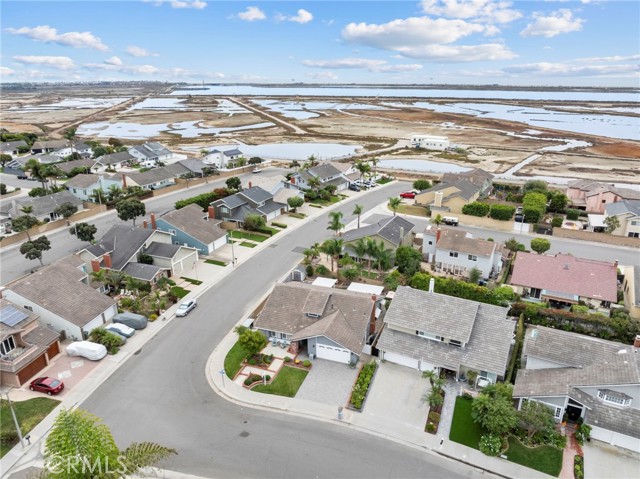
[[396, 395], [328, 383], [602, 461]]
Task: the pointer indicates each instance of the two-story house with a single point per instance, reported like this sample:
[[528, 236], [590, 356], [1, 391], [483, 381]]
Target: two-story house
[[563, 280], [326, 173], [26, 347], [150, 154], [64, 297], [392, 232], [428, 331], [631, 290], [430, 142], [252, 201], [327, 323], [593, 196], [450, 196], [456, 251], [580, 377], [79, 148], [43, 207], [223, 159], [84, 186], [628, 214], [189, 226]]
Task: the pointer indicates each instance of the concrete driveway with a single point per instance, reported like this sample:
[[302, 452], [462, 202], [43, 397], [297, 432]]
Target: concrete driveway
[[602, 461], [328, 383], [396, 396]]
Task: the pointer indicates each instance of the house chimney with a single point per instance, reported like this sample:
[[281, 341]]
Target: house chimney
[[293, 180], [153, 221], [438, 234], [95, 265], [437, 200], [372, 323], [107, 260], [212, 213], [636, 342], [124, 181], [432, 283], [145, 225]]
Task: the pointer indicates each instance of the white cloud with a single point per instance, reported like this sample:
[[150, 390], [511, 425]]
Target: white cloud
[[139, 52], [197, 4], [252, 14], [60, 63], [4, 71], [303, 16], [614, 58], [556, 23], [459, 53], [484, 10], [47, 34], [568, 69], [322, 76], [361, 63], [113, 61]]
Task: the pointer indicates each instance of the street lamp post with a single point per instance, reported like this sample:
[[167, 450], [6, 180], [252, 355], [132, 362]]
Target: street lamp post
[[15, 421], [233, 254]]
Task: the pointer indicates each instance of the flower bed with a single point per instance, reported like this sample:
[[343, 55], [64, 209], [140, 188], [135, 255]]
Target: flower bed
[[433, 419], [361, 386], [578, 467], [254, 379], [260, 360]]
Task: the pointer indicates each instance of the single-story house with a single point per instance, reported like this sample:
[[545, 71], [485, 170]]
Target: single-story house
[[430, 142], [83, 186], [64, 297], [327, 323], [223, 159], [578, 376], [88, 164], [593, 196], [47, 146], [19, 162], [13, 147], [80, 148], [43, 206], [631, 290], [457, 251], [564, 279], [476, 176], [115, 160], [628, 214], [150, 153], [156, 178], [253, 200], [26, 346], [431, 331], [326, 173], [393, 232], [449, 197], [189, 226]]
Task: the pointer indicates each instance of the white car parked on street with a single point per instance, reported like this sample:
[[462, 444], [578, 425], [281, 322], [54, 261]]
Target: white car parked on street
[[186, 307]]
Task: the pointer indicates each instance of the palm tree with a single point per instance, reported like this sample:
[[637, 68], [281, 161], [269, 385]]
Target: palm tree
[[437, 220], [352, 272], [374, 162], [384, 258], [38, 171], [70, 134], [333, 249], [314, 183], [363, 168], [360, 248], [114, 279], [295, 164], [394, 204], [53, 172], [335, 224], [431, 375], [372, 248], [98, 195], [357, 210]]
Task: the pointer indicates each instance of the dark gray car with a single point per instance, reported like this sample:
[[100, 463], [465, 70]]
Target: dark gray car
[[135, 321]]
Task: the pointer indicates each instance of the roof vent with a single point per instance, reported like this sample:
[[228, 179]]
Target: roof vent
[[565, 266], [534, 333], [622, 351]]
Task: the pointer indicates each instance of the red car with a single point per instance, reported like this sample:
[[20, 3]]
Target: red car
[[408, 194], [47, 385]]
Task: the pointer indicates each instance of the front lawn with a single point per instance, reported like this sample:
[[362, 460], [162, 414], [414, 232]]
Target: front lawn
[[384, 180], [246, 244], [413, 210], [179, 291], [300, 216], [29, 414], [545, 459], [250, 236], [196, 282], [463, 429], [286, 383], [233, 360], [215, 261]]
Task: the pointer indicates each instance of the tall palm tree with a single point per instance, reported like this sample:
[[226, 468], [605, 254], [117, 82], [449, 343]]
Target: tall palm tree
[[357, 210], [314, 183], [384, 258], [374, 162], [114, 279], [394, 204], [363, 167], [38, 171], [335, 224], [70, 134], [333, 249], [98, 195], [360, 248], [372, 248]]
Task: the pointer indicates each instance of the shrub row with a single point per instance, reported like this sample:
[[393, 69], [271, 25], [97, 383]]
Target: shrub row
[[502, 212], [476, 208], [279, 225], [500, 296], [205, 199], [361, 387]]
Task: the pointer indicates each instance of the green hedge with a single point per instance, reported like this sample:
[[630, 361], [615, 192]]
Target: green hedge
[[502, 212], [279, 225], [205, 199], [476, 208], [534, 206], [500, 296], [361, 387]]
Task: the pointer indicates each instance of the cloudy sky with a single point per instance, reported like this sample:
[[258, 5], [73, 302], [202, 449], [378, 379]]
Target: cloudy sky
[[553, 42]]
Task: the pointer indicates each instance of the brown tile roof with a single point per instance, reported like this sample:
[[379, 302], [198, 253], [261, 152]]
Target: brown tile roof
[[41, 336], [460, 240], [567, 274]]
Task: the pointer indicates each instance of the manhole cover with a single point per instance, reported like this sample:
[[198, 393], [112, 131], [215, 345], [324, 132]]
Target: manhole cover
[[244, 434]]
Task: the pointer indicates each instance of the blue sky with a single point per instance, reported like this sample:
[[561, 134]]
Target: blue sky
[[582, 42]]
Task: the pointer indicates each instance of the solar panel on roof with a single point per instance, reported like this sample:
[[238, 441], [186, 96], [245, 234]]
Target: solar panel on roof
[[11, 316]]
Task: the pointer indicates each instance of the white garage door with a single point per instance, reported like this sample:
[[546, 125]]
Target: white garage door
[[424, 366], [332, 353], [273, 215], [615, 439], [400, 359]]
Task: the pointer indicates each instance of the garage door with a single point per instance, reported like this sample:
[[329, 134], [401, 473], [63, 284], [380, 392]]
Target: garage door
[[333, 353], [424, 366], [32, 369], [53, 350], [400, 359]]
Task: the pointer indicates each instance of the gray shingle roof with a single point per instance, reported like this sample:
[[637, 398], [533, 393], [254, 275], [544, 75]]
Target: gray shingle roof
[[256, 195], [284, 312], [193, 165], [434, 313], [190, 219], [123, 242], [111, 158], [70, 299], [625, 420], [12, 145], [163, 250], [46, 144], [487, 349], [42, 205], [70, 165], [145, 272], [388, 228], [232, 152], [232, 201], [82, 181], [156, 175], [270, 207], [324, 170], [151, 149], [624, 206]]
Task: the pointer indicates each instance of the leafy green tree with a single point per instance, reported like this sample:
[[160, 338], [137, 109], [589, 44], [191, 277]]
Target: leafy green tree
[[437, 220], [351, 272], [421, 185], [501, 212], [494, 411], [363, 167], [295, 202], [314, 183], [476, 208], [511, 244], [540, 245], [33, 249], [130, 210], [393, 280], [420, 281], [84, 231], [557, 202], [535, 185], [535, 417], [79, 438], [66, 210], [408, 260], [612, 223], [254, 222], [3, 189], [335, 223], [24, 223], [572, 214], [474, 275], [256, 160], [357, 210], [4, 159], [252, 341], [394, 204], [295, 164], [233, 183], [556, 221]]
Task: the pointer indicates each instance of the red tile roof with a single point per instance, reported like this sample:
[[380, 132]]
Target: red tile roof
[[566, 274]]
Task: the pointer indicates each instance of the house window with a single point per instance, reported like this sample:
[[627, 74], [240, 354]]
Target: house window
[[430, 242], [557, 413], [614, 398], [433, 337], [224, 209], [172, 232], [7, 345], [634, 235], [473, 257], [453, 342], [453, 254], [635, 223]]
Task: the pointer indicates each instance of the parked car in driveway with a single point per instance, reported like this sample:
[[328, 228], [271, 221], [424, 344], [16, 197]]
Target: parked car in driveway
[[87, 349], [121, 329], [47, 385], [408, 194], [354, 187], [186, 307], [135, 321]]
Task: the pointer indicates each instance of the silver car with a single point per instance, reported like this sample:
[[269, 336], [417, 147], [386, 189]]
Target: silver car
[[186, 307]]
